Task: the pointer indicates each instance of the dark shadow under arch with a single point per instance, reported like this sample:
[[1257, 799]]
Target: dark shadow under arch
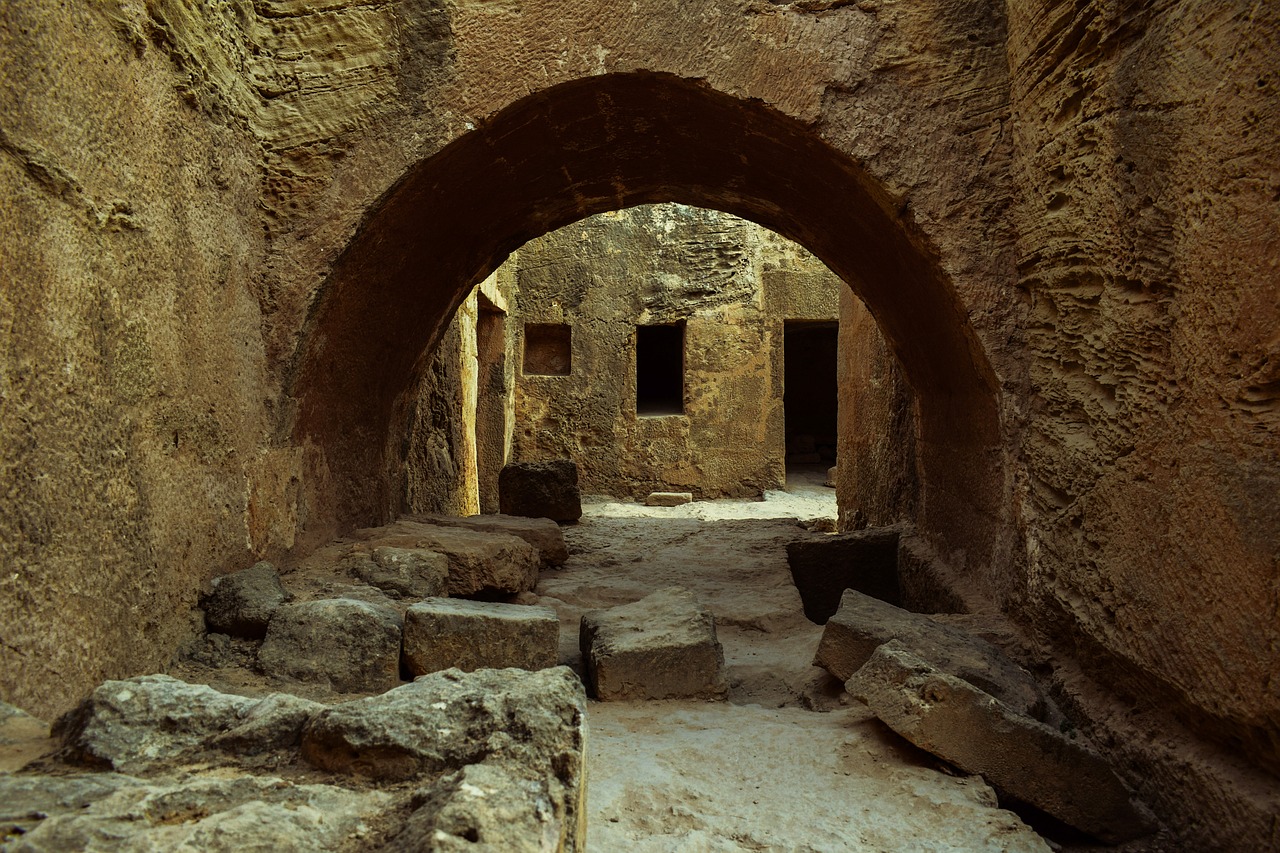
[[601, 144]]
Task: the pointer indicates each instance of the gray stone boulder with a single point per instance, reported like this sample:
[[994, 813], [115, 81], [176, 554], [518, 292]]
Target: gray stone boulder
[[447, 720], [492, 808], [863, 624], [241, 604], [1019, 756], [663, 646], [823, 567], [401, 572], [542, 533], [443, 633], [540, 490], [154, 722], [352, 646], [220, 815]]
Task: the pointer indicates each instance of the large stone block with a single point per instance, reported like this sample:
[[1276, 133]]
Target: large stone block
[[444, 633], [663, 646], [353, 646], [863, 624], [242, 603], [823, 567], [402, 572], [542, 533], [541, 490], [480, 561], [1019, 756]]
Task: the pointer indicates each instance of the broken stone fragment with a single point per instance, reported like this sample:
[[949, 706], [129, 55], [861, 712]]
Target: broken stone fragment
[[863, 624], [114, 812], [540, 490], [823, 567], [402, 572], [542, 533], [668, 498], [151, 722], [23, 738], [242, 603], [663, 646], [447, 720], [490, 807], [479, 561], [352, 646], [1019, 756], [443, 633]]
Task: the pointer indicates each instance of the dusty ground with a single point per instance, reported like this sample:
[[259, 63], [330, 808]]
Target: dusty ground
[[789, 762]]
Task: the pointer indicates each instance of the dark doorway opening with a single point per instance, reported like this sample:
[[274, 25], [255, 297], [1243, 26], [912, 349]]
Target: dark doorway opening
[[810, 402], [660, 370]]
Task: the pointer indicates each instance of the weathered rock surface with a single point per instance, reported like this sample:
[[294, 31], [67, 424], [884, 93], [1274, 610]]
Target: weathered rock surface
[[492, 808], [542, 533], [153, 722], [353, 646], [541, 490], [480, 561], [450, 719], [663, 646], [668, 498], [1018, 755], [863, 624], [402, 572], [115, 812], [445, 633], [241, 603], [23, 737]]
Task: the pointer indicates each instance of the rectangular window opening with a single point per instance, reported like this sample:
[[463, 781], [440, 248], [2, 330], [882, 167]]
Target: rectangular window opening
[[548, 349], [660, 370]]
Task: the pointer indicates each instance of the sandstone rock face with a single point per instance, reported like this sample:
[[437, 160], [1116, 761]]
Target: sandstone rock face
[[1018, 755], [351, 645], [443, 633], [542, 533], [661, 647], [546, 489], [403, 572], [241, 603], [824, 567], [863, 624]]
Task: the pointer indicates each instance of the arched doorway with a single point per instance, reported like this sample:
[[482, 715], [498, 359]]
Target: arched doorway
[[601, 144]]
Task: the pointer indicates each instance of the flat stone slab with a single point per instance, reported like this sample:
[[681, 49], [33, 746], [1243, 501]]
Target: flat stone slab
[[479, 561], [1018, 755], [542, 533], [353, 646], [401, 572], [241, 604], [823, 567], [540, 490], [668, 498], [663, 646], [863, 624], [442, 633]]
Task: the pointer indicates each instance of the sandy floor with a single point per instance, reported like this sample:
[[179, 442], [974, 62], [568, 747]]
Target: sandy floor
[[789, 762]]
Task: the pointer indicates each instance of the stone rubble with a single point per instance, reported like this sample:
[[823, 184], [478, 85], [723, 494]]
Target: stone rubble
[[445, 633], [353, 646], [1018, 755], [241, 604], [663, 646], [541, 490]]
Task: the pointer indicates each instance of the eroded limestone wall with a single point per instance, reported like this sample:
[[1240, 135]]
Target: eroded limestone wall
[[731, 284], [136, 458]]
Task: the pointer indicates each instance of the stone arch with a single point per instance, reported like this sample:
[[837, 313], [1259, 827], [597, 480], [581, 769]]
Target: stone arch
[[604, 143]]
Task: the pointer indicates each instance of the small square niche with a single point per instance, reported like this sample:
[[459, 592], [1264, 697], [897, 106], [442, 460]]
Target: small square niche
[[548, 349]]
